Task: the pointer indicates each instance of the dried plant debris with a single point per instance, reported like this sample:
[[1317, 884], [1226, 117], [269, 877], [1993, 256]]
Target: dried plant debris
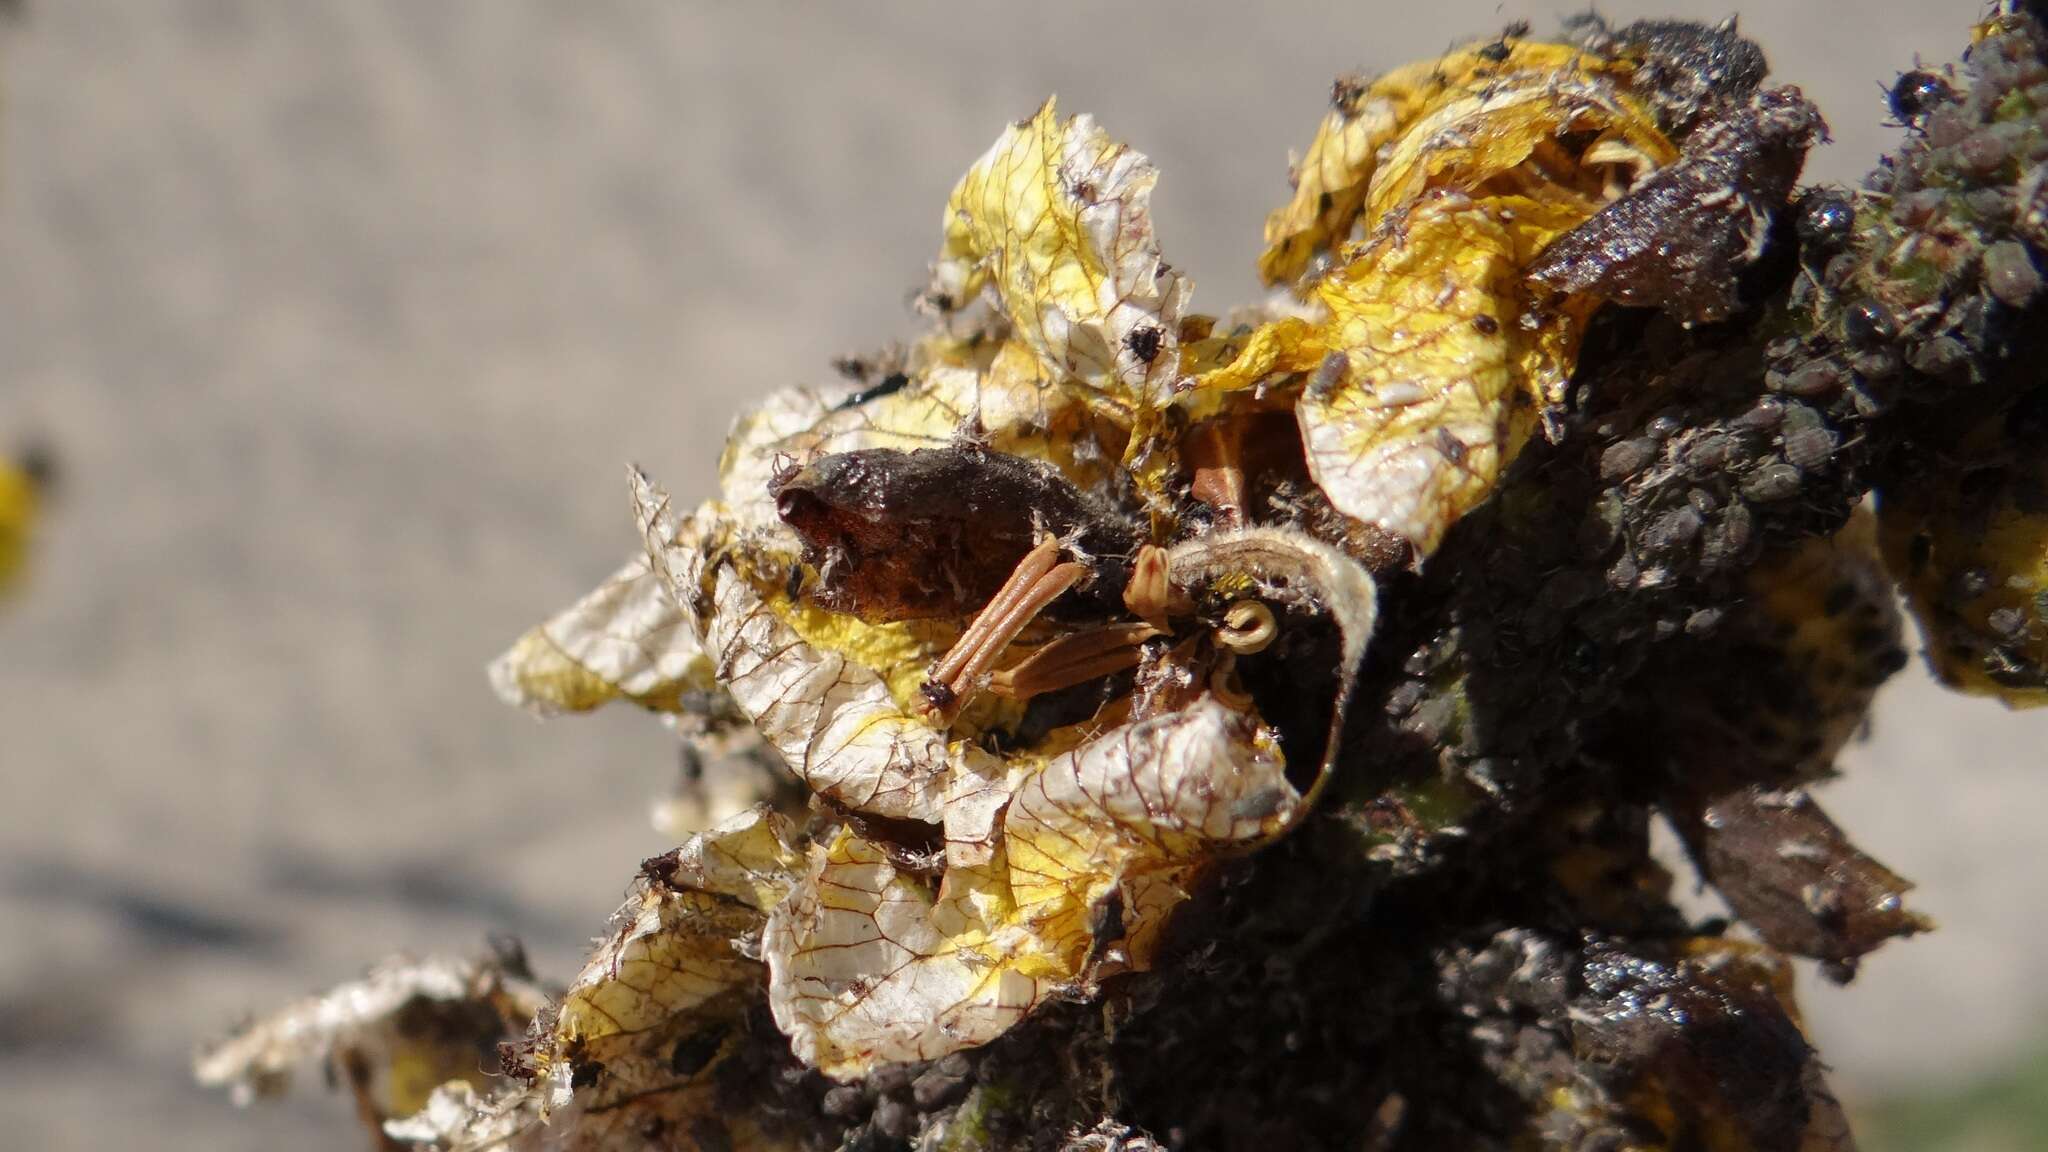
[[900, 535], [1679, 239], [1790, 873], [1106, 725], [1335, 184], [393, 1037], [1094, 848], [1682, 69], [1626, 1044], [1969, 539]]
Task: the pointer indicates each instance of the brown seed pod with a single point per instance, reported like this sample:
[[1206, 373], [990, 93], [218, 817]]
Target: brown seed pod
[[1679, 238], [902, 535]]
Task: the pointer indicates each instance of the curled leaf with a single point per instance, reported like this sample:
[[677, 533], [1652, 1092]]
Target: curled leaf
[[813, 689], [1413, 433], [1061, 856], [1301, 573], [1436, 355], [833, 696], [1382, 138]]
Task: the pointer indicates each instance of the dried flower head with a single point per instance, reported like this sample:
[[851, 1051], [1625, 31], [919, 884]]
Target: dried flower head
[[1097, 714]]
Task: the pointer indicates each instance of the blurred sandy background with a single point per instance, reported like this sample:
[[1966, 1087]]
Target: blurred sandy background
[[346, 316]]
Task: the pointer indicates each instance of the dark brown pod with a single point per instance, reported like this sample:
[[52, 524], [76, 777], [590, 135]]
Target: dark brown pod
[[1678, 240], [907, 535], [1790, 873]]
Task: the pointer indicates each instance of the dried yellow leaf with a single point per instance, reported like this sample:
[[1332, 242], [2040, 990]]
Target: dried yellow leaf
[[1344, 162], [870, 964], [1460, 175], [1056, 219], [876, 956], [626, 639], [1413, 434], [1507, 138], [635, 1042]]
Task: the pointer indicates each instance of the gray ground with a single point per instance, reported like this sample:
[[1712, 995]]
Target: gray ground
[[346, 317]]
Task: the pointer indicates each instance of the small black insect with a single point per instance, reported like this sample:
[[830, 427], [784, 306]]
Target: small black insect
[[1346, 92], [1915, 94], [693, 1052], [892, 383], [1504, 47], [1144, 342], [1106, 923], [1452, 448], [661, 869], [1825, 222], [1869, 323], [939, 696]]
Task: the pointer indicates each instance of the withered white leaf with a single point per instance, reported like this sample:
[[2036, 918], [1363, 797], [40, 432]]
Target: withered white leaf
[[457, 1118], [869, 964], [626, 639], [395, 1035], [806, 678]]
